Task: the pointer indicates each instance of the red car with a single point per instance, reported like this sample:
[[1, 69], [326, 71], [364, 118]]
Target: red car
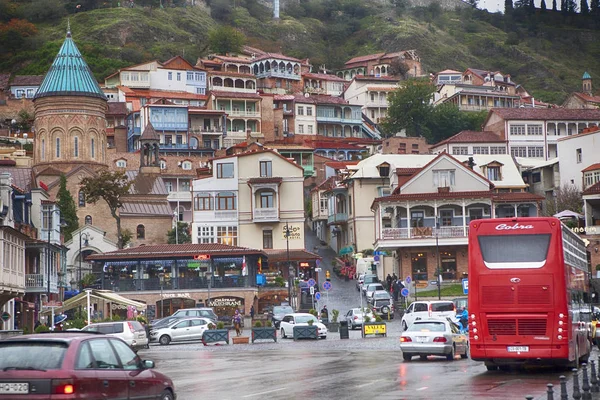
[[77, 365]]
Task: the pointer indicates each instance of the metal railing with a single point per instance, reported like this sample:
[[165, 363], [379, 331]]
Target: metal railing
[[424, 232], [337, 217], [130, 285], [267, 214], [39, 282]]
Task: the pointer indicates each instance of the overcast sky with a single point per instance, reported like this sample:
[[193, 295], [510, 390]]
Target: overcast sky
[[494, 5]]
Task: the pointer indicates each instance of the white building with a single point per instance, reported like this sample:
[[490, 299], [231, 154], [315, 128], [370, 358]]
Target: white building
[[371, 93], [578, 156], [471, 142]]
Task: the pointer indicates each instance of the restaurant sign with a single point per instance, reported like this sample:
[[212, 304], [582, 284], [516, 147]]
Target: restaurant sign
[[295, 232], [226, 302]]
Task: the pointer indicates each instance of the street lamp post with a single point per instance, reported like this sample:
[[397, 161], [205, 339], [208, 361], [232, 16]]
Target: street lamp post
[[287, 239], [161, 279], [48, 258], [437, 249], [86, 242]]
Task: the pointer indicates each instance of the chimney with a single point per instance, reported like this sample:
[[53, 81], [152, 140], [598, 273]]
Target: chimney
[[532, 102], [471, 162]]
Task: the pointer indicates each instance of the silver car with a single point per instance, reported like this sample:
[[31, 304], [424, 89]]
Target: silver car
[[181, 330], [354, 317], [132, 332], [434, 336]]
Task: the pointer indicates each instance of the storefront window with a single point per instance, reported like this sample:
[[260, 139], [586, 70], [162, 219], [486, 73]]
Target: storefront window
[[448, 264], [419, 266]]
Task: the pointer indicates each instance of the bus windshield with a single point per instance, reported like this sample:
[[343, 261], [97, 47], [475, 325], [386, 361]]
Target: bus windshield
[[514, 251]]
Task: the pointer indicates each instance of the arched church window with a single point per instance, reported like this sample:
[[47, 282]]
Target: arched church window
[[141, 232], [93, 148], [57, 147], [81, 199], [88, 219], [75, 146]]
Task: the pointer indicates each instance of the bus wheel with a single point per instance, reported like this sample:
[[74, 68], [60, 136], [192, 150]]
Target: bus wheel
[[491, 367]]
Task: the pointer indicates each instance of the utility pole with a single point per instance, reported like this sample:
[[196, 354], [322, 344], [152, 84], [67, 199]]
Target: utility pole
[[437, 249], [287, 239]]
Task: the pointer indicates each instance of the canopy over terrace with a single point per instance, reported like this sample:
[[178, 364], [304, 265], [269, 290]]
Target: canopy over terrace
[[100, 297]]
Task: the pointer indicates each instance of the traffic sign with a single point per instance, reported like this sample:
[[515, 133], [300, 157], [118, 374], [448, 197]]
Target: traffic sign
[[311, 282], [327, 285], [408, 280], [317, 262], [5, 316], [465, 286], [312, 290], [404, 292], [318, 296], [376, 258]]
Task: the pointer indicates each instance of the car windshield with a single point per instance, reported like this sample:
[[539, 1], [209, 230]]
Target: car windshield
[[371, 279], [32, 355], [427, 327], [440, 307], [381, 295], [279, 310], [303, 319]]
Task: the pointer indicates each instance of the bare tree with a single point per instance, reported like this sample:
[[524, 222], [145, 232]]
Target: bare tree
[[399, 68], [566, 197]]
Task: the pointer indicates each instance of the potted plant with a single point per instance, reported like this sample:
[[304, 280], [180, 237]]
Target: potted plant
[[310, 331], [375, 328], [215, 333], [266, 332], [312, 311], [334, 325]]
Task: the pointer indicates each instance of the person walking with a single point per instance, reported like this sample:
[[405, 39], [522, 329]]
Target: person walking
[[389, 282], [325, 314], [252, 311], [237, 323]]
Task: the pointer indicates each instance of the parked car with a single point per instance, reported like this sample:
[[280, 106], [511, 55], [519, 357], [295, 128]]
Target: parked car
[[181, 330], [295, 319], [371, 288], [419, 310], [382, 304], [204, 312], [433, 336], [460, 302], [367, 280], [77, 365], [159, 323], [359, 281], [355, 317], [132, 332], [278, 313]]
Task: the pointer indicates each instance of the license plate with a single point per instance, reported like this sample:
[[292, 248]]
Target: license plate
[[421, 339], [14, 387], [517, 349]]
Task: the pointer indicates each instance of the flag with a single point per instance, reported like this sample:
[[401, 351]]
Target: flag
[[244, 267], [260, 265]]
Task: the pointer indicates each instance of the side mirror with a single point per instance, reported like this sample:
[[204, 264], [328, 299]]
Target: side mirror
[[148, 364], [174, 327], [291, 322]]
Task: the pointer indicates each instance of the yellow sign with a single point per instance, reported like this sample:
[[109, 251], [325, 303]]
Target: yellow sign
[[295, 232], [375, 329], [421, 285]]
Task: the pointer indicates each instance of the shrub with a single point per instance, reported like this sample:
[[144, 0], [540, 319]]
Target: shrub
[[311, 322], [26, 331], [42, 328], [313, 312], [269, 323], [279, 281], [220, 325], [258, 324], [378, 319], [367, 318], [334, 315]]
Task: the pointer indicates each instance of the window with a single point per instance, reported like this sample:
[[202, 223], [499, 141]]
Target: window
[[591, 178], [81, 199], [517, 129], [57, 147], [497, 150], [481, 150], [93, 148], [518, 151], [190, 76], [227, 235], [475, 213], [187, 165], [75, 146], [535, 152], [536, 177], [88, 220], [163, 164], [578, 156], [103, 354], [349, 204], [309, 111], [224, 170], [179, 76], [47, 213], [169, 186], [266, 168], [448, 265], [170, 76], [184, 186], [300, 110], [417, 219], [384, 170], [419, 267], [121, 164], [493, 173], [268, 239], [266, 199], [460, 150], [300, 129], [446, 217], [206, 234], [43, 149], [310, 129], [443, 177], [534, 129], [129, 360], [225, 201], [372, 96], [179, 139], [168, 140], [84, 359], [141, 232]]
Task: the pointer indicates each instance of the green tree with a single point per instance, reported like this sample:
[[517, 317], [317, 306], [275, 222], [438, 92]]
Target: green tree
[[409, 108], [225, 39], [110, 187], [68, 211], [508, 6], [183, 234], [447, 120], [87, 281]]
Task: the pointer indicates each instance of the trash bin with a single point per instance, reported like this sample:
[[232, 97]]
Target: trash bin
[[344, 334]]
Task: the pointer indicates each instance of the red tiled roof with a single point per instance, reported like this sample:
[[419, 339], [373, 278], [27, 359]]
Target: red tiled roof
[[449, 71], [231, 73], [435, 195], [472, 137], [548, 113], [586, 97], [327, 77], [265, 180], [376, 78], [277, 56], [276, 255], [325, 185], [360, 59], [407, 171], [516, 196], [324, 99], [27, 80], [175, 250], [323, 144], [116, 108], [355, 140], [235, 95], [233, 59], [264, 150], [594, 189], [4, 78], [340, 164], [592, 167]]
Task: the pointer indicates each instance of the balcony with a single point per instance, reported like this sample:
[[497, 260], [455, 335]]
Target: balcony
[[339, 119], [265, 214], [309, 170], [37, 283], [422, 236], [131, 285], [337, 218], [174, 146], [228, 214], [169, 126], [273, 73], [207, 131], [243, 114]]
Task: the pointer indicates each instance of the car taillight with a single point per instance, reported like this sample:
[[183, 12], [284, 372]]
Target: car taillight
[[131, 328], [355, 317], [405, 339], [63, 386], [429, 308], [439, 339]]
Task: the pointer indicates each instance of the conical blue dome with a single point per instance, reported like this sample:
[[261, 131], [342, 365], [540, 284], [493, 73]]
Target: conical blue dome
[[69, 75], [586, 76]]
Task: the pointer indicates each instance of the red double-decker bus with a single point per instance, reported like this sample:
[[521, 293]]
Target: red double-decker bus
[[528, 293]]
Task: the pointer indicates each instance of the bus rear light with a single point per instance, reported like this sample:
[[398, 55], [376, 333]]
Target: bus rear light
[[473, 323], [475, 337], [561, 315], [560, 322], [472, 316], [559, 337], [560, 330], [474, 330]]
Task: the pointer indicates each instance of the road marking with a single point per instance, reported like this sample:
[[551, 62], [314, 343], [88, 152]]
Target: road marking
[[422, 388], [261, 393], [369, 383]]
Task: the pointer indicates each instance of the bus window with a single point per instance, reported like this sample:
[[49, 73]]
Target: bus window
[[526, 251]]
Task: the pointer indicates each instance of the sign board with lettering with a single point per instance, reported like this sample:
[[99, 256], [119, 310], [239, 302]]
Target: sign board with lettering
[[225, 302], [202, 257], [295, 232], [375, 329], [465, 286]]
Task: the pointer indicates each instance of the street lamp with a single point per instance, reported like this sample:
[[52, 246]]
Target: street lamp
[[161, 279], [287, 239], [49, 230], [437, 249], [86, 242]]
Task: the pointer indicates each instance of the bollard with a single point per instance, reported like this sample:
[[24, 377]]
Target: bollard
[[586, 384], [594, 380], [576, 392], [550, 391], [564, 395]]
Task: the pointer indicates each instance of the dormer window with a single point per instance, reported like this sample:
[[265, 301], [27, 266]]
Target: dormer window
[[187, 165], [266, 169], [384, 170], [163, 164], [493, 173], [121, 164]]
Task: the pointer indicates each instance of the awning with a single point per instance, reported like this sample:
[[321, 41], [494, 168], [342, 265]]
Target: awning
[[346, 250], [104, 295], [568, 214]]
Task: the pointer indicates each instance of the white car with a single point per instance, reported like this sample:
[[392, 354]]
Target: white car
[[359, 281], [132, 332], [372, 288], [354, 317], [286, 326], [419, 310], [181, 330]]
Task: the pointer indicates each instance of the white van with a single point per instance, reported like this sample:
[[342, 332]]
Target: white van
[[363, 266], [425, 309]]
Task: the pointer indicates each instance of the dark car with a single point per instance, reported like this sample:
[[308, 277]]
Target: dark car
[[382, 304], [77, 365], [279, 312]]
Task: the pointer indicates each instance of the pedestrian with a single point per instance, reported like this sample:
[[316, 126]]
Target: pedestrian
[[389, 282], [394, 277], [237, 323], [37, 323], [252, 311], [397, 289], [325, 314]]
